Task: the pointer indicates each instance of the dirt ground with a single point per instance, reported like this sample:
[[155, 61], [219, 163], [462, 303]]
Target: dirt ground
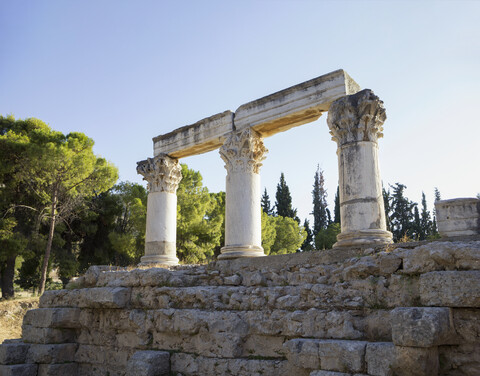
[[11, 316]]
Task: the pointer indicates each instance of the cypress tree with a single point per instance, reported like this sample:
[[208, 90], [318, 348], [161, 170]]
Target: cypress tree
[[283, 201], [434, 224], [336, 212], [266, 206], [308, 243], [402, 218], [319, 193], [426, 222]]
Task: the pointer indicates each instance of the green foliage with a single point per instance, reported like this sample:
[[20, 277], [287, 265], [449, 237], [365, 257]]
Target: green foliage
[[289, 236], [326, 238], [283, 201], [269, 232], [320, 215], [49, 174], [307, 245], [266, 206], [199, 221], [336, 214]]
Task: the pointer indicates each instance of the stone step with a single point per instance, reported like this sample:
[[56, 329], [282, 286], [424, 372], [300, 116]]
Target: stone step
[[346, 357]]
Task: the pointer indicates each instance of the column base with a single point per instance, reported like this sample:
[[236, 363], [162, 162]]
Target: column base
[[158, 260], [237, 251], [363, 238]]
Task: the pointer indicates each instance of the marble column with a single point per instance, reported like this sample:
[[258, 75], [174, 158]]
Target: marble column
[[162, 174], [243, 153], [356, 124]]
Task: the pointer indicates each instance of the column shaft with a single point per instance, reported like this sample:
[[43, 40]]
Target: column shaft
[[356, 123], [163, 175], [243, 153]]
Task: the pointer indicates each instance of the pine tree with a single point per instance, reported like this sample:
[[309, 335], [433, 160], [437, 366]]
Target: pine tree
[[283, 202], [417, 224], [266, 206], [386, 203], [308, 243], [320, 217], [336, 212]]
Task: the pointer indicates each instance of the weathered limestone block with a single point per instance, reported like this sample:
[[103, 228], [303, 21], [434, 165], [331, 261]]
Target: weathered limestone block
[[467, 324], [191, 365], [458, 217], [264, 346], [380, 357], [104, 297], [329, 355], [18, 370], [103, 355], [415, 361], [450, 288], [462, 360], [13, 352], [149, 363], [331, 373], [53, 317], [422, 326], [51, 353], [64, 369], [33, 334]]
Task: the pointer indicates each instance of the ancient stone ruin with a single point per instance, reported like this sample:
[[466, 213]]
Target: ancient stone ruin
[[366, 307]]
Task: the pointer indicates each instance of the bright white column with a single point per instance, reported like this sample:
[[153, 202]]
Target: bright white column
[[356, 124], [163, 175], [243, 153]]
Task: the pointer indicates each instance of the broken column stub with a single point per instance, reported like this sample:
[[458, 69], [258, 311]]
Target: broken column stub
[[243, 153], [356, 123], [163, 174], [458, 217]]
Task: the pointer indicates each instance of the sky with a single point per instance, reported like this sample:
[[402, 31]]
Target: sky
[[123, 72]]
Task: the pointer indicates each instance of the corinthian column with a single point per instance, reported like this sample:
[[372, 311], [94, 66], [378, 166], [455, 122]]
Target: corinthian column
[[162, 174], [356, 124], [243, 153]]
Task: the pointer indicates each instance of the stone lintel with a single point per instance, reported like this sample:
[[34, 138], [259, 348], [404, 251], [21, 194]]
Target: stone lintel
[[269, 115]]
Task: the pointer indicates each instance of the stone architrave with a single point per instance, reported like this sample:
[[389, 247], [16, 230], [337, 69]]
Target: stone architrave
[[356, 124], [162, 174], [243, 153]]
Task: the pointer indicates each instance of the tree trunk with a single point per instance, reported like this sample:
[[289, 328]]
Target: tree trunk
[[43, 276], [6, 278]]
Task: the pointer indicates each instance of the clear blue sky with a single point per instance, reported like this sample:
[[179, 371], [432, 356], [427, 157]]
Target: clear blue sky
[[123, 72]]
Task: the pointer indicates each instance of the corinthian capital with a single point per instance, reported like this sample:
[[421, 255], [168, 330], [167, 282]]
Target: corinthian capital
[[162, 173], [357, 117], [243, 151]]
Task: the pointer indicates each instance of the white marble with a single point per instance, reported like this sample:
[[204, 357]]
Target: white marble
[[458, 217], [356, 123], [243, 153], [163, 175]]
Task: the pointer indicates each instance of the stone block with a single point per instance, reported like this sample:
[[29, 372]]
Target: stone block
[[342, 355], [64, 369], [415, 361], [462, 360], [380, 358], [450, 288], [329, 355], [51, 353], [332, 373], [422, 326], [149, 363], [53, 318], [105, 297], [18, 370], [13, 353], [458, 217], [33, 334]]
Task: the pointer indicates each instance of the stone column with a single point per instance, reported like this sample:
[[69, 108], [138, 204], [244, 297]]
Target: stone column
[[356, 123], [243, 153], [163, 175]]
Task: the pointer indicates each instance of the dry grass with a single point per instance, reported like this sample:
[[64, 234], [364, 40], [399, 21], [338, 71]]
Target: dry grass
[[11, 316]]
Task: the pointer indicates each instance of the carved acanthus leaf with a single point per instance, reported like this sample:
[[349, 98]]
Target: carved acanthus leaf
[[243, 151], [357, 117], [162, 173]]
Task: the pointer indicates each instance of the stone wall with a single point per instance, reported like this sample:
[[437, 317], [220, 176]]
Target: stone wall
[[413, 310]]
